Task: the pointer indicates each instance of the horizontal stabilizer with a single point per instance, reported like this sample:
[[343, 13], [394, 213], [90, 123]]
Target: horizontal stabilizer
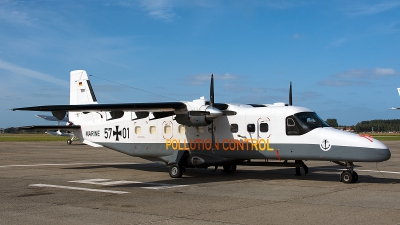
[[33, 127], [51, 118]]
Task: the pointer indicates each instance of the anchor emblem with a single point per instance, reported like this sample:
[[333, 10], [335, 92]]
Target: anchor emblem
[[325, 145]]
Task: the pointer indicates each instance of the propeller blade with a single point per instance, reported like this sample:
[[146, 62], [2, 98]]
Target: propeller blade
[[290, 94], [212, 91], [212, 105]]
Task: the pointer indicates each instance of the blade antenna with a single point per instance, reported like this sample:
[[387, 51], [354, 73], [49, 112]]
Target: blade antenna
[[212, 105], [290, 94]]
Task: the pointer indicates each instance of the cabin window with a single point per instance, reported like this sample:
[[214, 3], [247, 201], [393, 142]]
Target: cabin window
[[152, 130], [167, 129], [138, 130], [234, 128], [264, 127], [251, 128], [181, 129]]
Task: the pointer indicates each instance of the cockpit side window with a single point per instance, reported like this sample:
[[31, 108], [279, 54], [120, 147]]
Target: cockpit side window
[[291, 128], [303, 122]]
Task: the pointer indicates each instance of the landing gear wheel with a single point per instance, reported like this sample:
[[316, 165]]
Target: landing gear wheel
[[355, 177], [69, 141], [298, 173], [229, 168], [176, 171], [347, 177]]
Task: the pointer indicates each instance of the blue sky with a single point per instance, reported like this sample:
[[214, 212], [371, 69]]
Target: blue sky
[[343, 57]]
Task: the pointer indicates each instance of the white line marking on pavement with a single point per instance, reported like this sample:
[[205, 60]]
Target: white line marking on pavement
[[109, 182], [164, 187], [371, 171], [104, 182], [377, 171], [78, 188]]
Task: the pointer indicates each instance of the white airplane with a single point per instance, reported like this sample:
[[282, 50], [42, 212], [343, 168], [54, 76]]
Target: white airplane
[[59, 132], [394, 108], [201, 133]]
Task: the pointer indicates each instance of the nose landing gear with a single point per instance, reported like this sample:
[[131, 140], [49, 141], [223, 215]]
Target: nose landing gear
[[349, 175]]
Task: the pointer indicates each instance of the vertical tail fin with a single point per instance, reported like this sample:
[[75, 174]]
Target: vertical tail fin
[[81, 91]]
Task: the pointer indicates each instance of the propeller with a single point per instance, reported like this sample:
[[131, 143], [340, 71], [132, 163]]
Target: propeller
[[212, 105], [290, 94]]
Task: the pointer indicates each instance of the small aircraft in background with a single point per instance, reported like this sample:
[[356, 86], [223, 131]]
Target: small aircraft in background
[[63, 133], [394, 108], [202, 133]]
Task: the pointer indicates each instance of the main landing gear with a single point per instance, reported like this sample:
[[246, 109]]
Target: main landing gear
[[349, 175], [69, 141], [176, 170], [229, 168]]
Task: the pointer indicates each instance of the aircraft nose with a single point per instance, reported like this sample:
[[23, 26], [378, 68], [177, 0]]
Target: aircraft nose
[[379, 152], [382, 151], [385, 154]]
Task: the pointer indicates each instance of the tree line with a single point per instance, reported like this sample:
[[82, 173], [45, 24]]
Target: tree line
[[392, 125]]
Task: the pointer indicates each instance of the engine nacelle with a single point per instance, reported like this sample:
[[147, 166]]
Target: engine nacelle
[[190, 120]]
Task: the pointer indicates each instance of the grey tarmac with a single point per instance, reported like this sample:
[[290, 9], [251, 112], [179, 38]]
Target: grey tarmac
[[56, 183]]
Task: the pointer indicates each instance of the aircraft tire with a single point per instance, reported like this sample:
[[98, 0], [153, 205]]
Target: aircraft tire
[[347, 177], [175, 171], [69, 141], [229, 168], [355, 177]]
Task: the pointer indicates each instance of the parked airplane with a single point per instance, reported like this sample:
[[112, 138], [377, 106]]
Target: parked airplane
[[398, 90], [202, 133], [63, 133]]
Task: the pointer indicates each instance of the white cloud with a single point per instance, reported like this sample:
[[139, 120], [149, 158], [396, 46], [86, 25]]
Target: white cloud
[[205, 78], [159, 9], [384, 71], [226, 76], [353, 73], [340, 82], [32, 74], [298, 36], [361, 10], [357, 77], [339, 41], [15, 17]]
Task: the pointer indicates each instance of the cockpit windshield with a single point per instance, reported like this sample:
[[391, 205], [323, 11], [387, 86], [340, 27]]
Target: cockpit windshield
[[301, 123]]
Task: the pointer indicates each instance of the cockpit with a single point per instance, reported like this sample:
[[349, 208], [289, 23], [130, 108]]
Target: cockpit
[[303, 122]]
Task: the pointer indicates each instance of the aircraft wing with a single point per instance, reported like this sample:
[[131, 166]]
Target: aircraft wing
[[33, 127], [142, 110], [148, 107], [135, 107]]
